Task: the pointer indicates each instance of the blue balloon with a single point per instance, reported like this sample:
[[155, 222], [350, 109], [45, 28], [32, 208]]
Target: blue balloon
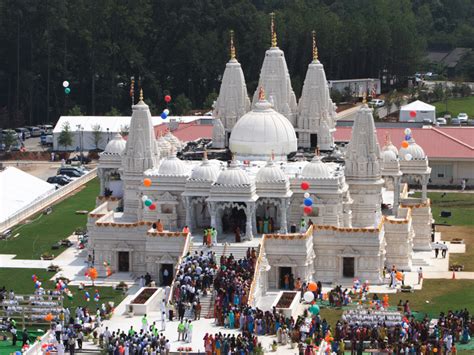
[[308, 202], [17, 352], [407, 137], [164, 115]]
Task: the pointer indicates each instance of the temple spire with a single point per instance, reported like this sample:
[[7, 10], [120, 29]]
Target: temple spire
[[364, 98], [315, 48], [232, 47], [274, 36]]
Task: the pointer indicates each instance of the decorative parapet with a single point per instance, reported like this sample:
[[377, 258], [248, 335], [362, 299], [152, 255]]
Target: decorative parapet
[[291, 236], [152, 233], [351, 229], [414, 203]]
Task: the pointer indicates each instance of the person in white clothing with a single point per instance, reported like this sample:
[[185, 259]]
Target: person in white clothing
[[163, 321], [189, 338]]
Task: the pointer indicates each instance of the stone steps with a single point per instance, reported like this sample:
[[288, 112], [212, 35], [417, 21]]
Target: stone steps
[[419, 262]]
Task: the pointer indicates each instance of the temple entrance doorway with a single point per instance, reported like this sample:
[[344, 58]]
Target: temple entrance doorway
[[123, 261], [284, 276], [201, 214], [233, 217], [348, 267], [266, 215], [313, 140], [166, 274]]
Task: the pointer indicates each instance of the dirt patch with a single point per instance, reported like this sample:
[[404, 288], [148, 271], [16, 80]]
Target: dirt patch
[[467, 234]]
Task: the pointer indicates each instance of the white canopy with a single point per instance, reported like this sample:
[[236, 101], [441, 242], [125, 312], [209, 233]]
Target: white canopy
[[109, 127], [19, 189], [417, 111]]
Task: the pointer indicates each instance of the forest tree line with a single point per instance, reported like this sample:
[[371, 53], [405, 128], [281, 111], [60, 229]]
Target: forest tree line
[[180, 47]]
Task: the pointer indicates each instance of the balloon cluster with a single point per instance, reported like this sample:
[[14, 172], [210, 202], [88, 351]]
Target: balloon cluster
[[67, 89], [96, 296], [405, 143], [37, 282], [308, 202], [166, 112], [145, 199], [87, 296]]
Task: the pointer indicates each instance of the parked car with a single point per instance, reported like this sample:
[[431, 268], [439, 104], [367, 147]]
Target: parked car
[[77, 158], [441, 121], [59, 180], [427, 121], [34, 131], [46, 128], [70, 172], [46, 139], [455, 121], [463, 117], [377, 103], [470, 122], [22, 131]]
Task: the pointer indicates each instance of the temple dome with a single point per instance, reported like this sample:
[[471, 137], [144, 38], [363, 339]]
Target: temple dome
[[316, 169], [262, 131], [116, 145], [388, 155], [172, 166], [270, 173], [414, 150], [233, 176], [205, 172], [391, 147]]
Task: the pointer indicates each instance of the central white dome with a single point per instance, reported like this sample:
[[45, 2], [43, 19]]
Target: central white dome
[[261, 132]]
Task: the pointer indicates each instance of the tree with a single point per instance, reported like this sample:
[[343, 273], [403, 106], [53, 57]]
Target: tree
[[9, 139], [182, 105], [114, 112], [65, 136], [96, 135], [336, 95], [75, 111], [210, 99]]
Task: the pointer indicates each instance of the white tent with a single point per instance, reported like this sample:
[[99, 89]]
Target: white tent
[[417, 111], [18, 190], [83, 128]]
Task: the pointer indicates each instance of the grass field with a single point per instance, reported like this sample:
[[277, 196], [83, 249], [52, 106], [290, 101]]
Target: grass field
[[43, 231], [456, 106], [461, 206], [21, 282]]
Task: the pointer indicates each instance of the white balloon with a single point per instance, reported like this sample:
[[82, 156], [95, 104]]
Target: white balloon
[[308, 296], [408, 157], [65, 83], [144, 198], [407, 131], [306, 195], [166, 111]]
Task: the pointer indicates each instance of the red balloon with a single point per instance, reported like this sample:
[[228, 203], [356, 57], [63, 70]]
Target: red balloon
[[413, 114], [304, 185], [167, 98], [152, 207], [308, 209]]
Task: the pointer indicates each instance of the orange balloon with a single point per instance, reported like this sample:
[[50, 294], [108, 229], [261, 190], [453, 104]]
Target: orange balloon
[[48, 317], [147, 182], [404, 144], [312, 286], [93, 273], [399, 276]]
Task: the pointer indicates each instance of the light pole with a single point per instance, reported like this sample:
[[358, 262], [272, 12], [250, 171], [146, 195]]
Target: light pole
[[108, 136], [82, 143]]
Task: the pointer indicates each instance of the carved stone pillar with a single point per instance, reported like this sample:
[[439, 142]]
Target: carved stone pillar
[[283, 214], [213, 213], [250, 213], [100, 174], [424, 187], [188, 206], [396, 194]]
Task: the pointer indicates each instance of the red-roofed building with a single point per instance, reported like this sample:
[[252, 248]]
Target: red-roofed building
[[189, 131], [450, 150]]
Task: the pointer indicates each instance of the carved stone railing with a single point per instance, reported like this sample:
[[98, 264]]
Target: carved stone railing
[[256, 273], [187, 245]]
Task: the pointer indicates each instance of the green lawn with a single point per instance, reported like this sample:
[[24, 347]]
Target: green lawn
[[21, 282], [39, 235], [456, 106], [461, 207]]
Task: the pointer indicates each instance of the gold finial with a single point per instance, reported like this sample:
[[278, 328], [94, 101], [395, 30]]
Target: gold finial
[[315, 49], [141, 95], [274, 36], [232, 48], [205, 154], [261, 94], [273, 155], [316, 151], [387, 139], [364, 98]]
